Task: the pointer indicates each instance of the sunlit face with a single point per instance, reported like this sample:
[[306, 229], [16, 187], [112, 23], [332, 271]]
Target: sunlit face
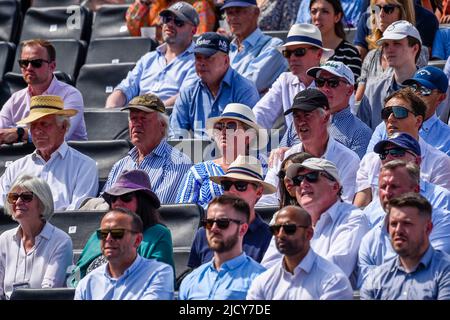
[[383, 18], [337, 97], [299, 65], [323, 16], [398, 52], [407, 157], [308, 124], [119, 202], [410, 124], [251, 195], [231, 136], [33, 75], [290, 188], [393, 183], [242, 20], [145, 128], [47, 134], [211, 69], [172, 34], [23, 210]]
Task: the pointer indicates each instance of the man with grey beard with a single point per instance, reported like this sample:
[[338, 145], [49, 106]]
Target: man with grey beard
[[163, 71]]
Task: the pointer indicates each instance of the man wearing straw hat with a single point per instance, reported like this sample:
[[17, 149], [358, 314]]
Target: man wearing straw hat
[[71, 175], [243, 179]]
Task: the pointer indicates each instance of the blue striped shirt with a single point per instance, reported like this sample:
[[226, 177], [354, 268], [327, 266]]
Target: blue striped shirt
[[165, 165]]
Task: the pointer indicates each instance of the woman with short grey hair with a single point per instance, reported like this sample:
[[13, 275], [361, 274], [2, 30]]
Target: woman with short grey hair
[[35, 254]]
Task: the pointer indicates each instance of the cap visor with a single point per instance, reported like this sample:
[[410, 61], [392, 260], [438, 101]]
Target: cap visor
[[142, 108], [422, 82], [207, 52], [393, 36], [236, 4]]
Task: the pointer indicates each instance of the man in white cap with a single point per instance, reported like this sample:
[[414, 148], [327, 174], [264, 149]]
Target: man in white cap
[[303, 50], [401, 44], [252, 53], [336, 81], [243, 179], [72, 176], [338, 226]]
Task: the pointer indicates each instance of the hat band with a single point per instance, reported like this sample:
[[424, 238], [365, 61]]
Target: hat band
[[45, 107], [245, 171], [304, 39], [236, 115]]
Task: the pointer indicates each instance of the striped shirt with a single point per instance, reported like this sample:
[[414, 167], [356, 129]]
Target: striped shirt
[[347, 53], [165, 165]]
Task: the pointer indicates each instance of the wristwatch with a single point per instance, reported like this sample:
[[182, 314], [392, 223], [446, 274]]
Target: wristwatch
[[20, 133]]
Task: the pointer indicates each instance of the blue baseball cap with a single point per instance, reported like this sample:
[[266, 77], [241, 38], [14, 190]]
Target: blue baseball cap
[[429, 77], [209, 43], [238, 3], [400, 139]]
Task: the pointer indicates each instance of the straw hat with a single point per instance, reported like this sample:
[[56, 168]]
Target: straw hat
[[246, 168], [243, 113], [41, 106]]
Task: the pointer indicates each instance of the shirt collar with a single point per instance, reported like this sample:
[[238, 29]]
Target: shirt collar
[[424, 262], [251, 40], [62, 151], [307, 262], [161, 50], [128, 271], [231, 264], [333, 211], [429, 123], [45, 233], [161, 150], [343, 114]]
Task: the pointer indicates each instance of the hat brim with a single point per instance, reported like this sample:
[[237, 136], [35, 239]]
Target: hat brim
[[141, 108], [422, 82], [261, 137], [304, 107], [207, 52], [40, 113], [327, 53], [294, 167], [268, 188], [118, 191], [236, 4], [313, 72], [392, 36], [176, 13]]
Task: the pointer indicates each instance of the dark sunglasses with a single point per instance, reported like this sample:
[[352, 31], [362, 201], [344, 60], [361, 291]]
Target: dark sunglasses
[[299, 52], [289, 228], [332, 82], [36, 63], [127, 197], [240, 186], [178, 22], [116, 234], [311, 177], [230, 125], [395, 152], [399, 112], [222, 223], [388, 8], [25, 196], [281, 174], [423, 91]]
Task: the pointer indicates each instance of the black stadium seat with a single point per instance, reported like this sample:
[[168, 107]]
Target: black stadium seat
[[266, 213], [10, 20], [10, 153], [43, 294], [55, 3], [6, 222], [117, 50], [6, 57], [97, 81], [110, 22], [106, 124], [281, 34]]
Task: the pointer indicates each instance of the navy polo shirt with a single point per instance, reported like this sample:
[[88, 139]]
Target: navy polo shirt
[[256, 241]]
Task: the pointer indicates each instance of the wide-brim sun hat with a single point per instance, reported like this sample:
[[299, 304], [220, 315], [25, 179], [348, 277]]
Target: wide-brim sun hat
[[243, 113], [41, 106]]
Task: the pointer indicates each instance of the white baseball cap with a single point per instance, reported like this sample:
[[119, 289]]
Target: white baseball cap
[[399, 30], [334, 67]]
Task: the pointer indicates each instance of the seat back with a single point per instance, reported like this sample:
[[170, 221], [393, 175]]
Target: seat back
[[437, 63], [10, 20], [350, 34], [6, 222], [266, 213], [97, 81], [55, 3], [43, 294], [106, 124], [7, 50], [110, 22], [117, 50], [11, 152], [281, 34]]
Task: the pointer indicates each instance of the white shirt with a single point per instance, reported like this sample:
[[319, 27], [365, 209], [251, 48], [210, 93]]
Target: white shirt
[[72, 176], [346, 161], [44, 266], [314, 278], [434, 168], [337, 237]]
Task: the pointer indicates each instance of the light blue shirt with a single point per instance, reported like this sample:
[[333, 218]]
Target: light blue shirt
[[433, 131], [230, 282], [441, 44], [196, 103], [259, 60], [345, 128], [145, 279], [352, 11], [165, 165], [153, 74], [71, 175], [429, 281]]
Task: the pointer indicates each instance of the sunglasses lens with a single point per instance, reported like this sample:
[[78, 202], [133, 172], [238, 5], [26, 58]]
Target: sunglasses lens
[[37, 63], [226, 185], [275, 229], [333, 83], [300, 52], [13, 197], [286, 54], [281, 174], [297, 180], [223, 224], [312, 176], [231, 126], [400, 112], [27, 197], [289, 229], [240, 185], [320, 82], [116, 234]]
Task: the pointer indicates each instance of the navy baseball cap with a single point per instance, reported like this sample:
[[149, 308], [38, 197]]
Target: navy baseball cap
[[210, 42], [238, 3], [429, 77], [309, 100], [400, 139]]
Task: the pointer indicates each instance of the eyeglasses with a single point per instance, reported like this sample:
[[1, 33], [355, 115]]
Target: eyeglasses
[[299, 52], [116, 234], [281, 174], [388, 8], [332, 82], [178, 22], [399, 112], [289, 228], [222, 223], [127, 197], [395, 152], [25, 196], [36, 63], [423, 91], [240, 186], [311, 177], [230, 125]]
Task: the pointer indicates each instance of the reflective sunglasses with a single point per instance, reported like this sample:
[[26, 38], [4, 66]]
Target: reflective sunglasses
[[311, 177], [388, 8], [12, 197], [423, 91], [116, 234], [240, 186], [127, 197], [331, 82], [395, 152], [222, 223], [177, 21], [299, 52], [36, 63], [230, 125], [289, 228], [399, 112]]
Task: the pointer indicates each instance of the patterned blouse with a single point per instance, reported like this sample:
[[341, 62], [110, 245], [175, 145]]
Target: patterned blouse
[[278, 14]]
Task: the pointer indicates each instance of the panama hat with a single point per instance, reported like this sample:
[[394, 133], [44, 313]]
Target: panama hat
[[246, 168], [243, 113], [305, 33], [41, 106]]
